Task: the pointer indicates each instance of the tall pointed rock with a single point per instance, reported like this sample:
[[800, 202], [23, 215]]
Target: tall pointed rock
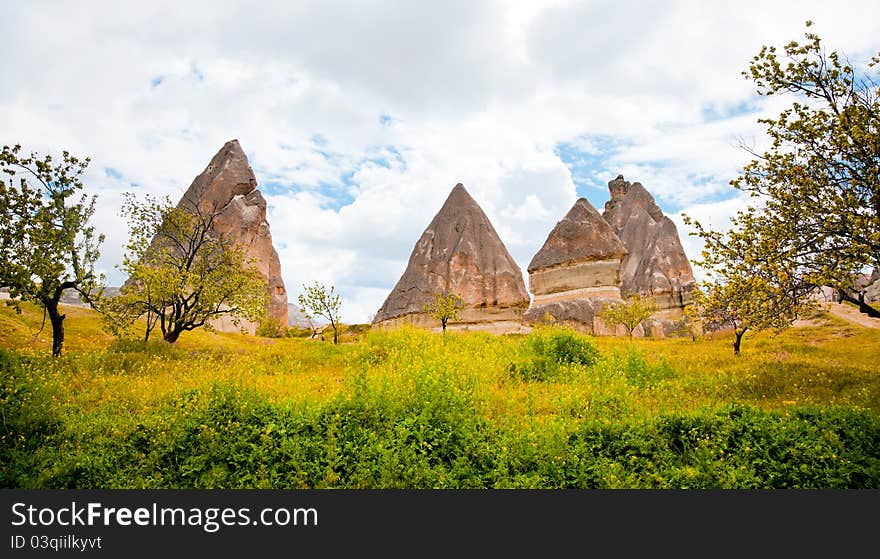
[[656, 264], [577, 269], [228, 184], [459, 252]]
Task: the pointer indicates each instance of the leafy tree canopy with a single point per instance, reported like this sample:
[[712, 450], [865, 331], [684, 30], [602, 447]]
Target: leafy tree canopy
[[182, 274], [46, 242], [444, 308], [319, 301], [629, 313], [815, 219]]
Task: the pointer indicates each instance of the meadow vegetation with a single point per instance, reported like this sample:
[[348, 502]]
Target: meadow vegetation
[[412, 409]]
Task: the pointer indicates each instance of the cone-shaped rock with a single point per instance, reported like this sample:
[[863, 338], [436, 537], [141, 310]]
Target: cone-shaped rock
[[460, 253], [581, 251], [577, 270], [656, 264], [228, 184]]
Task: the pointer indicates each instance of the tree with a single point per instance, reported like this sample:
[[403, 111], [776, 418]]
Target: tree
[[629, 313], [817, 187], [444, 308], [182, 274], [753, 288], [318, 301], [690, 323], [46, 243], [743, 304]]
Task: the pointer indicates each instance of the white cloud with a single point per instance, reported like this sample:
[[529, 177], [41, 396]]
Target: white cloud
[[712, 216], [475, 92]]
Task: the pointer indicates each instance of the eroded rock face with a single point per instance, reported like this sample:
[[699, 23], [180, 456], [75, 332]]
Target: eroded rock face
[[590, 260], [656, 264], [298, 318], [459, 252], [577, 270], [228, 184]]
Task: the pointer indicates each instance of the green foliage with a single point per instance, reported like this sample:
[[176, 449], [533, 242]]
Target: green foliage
[[298, 332], [271, 328], [821, 177], [318, 301], [46, 242], [688, 325], [28, 422], [744, 302], [182, 273], [629, 313], [547, 351], [816, 217], [226, 437], [405, 408], [639, 372], [444, 308]]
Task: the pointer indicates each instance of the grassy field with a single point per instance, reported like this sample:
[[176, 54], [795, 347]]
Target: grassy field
[[409, 408]]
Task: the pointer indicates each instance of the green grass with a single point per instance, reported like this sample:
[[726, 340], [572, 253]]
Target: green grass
[[409, 408]]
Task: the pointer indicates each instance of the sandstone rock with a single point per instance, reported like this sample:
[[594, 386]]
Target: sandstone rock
[[228, 184], [71, 296], [591, 260], [459, 252], [577, 270], [581, 252], [656, 264]]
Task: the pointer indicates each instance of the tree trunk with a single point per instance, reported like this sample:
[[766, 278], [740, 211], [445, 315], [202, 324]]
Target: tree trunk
[[172, 335], [151, 323], [859, 300], [57, 321], [737, 341], [443, 324]]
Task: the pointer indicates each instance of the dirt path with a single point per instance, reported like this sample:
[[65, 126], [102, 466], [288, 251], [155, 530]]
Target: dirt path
[[852, 314]]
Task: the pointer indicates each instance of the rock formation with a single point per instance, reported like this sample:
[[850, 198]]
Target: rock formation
[[228, 184], [656, 265], [577, 271], [460, 253], [298, 318], [589, 260]]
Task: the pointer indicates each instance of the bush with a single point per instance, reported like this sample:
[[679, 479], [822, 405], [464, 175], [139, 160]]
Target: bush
[[298, 332], [359, 329], [639, 372], [271, 328], [547, 350], [28, 423]]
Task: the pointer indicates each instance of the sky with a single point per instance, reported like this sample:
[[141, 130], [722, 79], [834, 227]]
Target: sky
[[359, 117]]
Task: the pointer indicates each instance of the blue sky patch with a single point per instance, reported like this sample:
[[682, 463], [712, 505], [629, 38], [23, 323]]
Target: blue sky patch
[[196, 73], [714, 112], [341, 192], [112, 173], [587, 159]]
